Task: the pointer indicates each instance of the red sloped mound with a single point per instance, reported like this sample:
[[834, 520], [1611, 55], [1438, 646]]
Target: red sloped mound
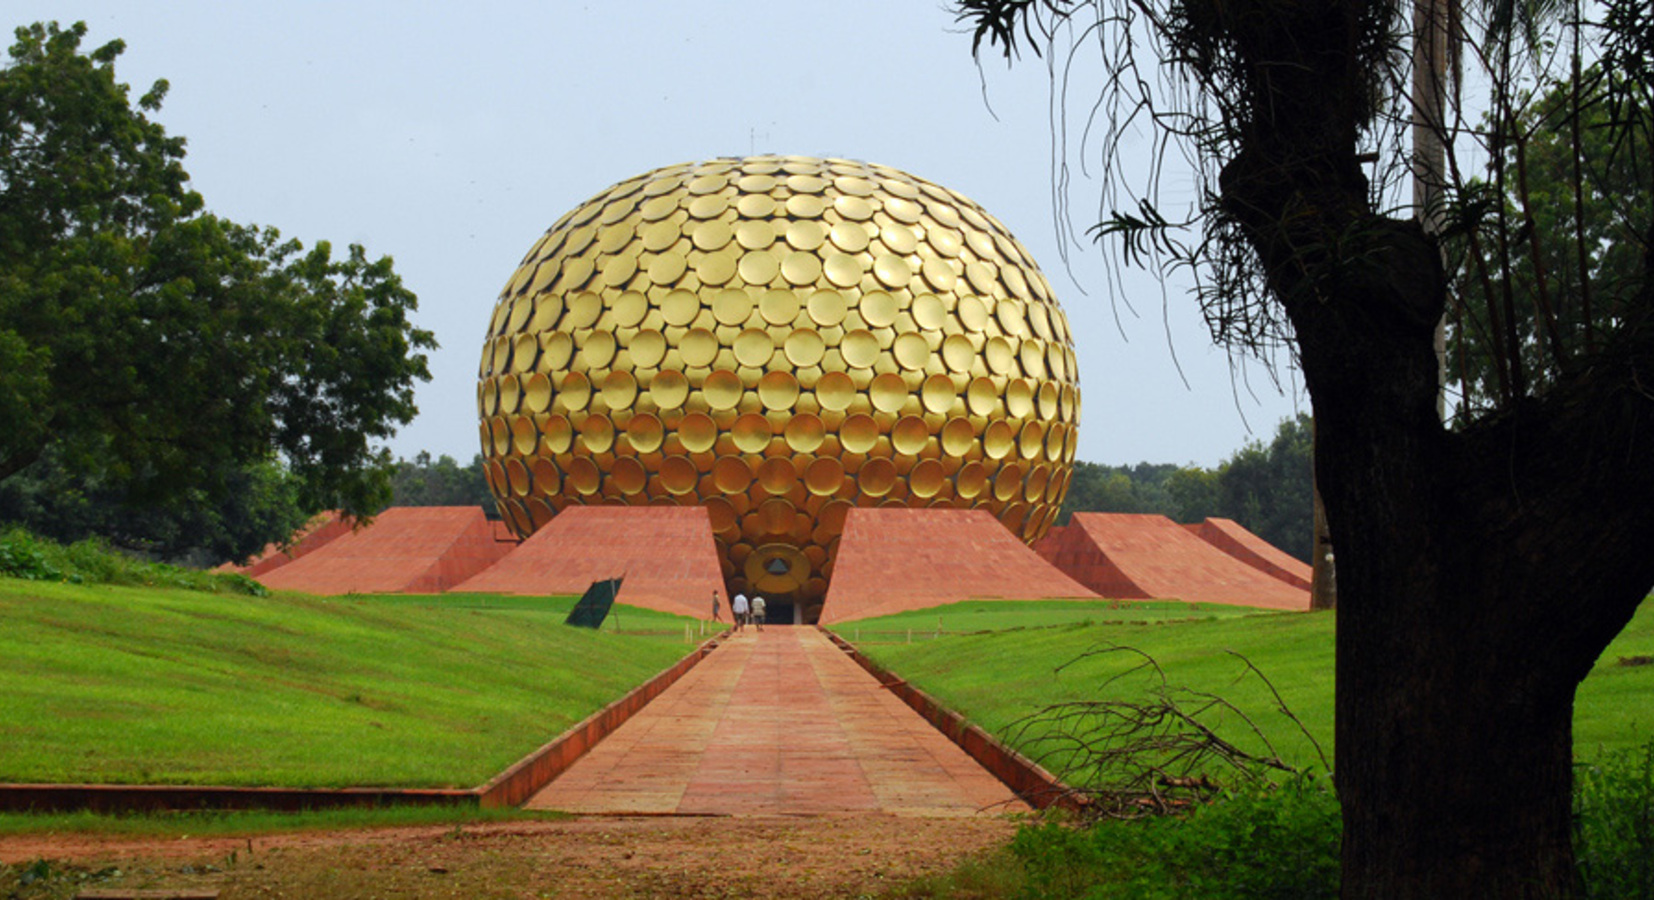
[[316, 533], [407, 550], [893, 560], [666, 554], [1232, 538], [1141, 556]]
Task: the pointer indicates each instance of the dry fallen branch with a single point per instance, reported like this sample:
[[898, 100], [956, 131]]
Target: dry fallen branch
[[1153, 749]]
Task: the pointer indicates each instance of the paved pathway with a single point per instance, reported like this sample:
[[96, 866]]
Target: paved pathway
[[778, 722]]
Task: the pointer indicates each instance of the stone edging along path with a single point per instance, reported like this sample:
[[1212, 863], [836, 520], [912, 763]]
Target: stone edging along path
[[509, 788], [1030, 781]]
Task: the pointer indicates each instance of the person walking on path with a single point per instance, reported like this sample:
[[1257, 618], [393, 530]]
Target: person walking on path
[[739, 609], [758, 611], [716, 615]]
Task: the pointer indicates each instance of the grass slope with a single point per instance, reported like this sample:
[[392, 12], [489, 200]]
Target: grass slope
[[1001, 674], [140, 685]]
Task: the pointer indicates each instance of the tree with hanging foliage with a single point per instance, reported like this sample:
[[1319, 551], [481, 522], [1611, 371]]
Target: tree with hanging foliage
[[1483, 563]]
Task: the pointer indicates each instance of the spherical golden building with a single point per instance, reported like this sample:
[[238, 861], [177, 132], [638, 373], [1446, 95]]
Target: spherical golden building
[[779, 339]]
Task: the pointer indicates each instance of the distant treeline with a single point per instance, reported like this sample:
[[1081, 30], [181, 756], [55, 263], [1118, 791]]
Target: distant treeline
[[423, 481], [1265, 487]]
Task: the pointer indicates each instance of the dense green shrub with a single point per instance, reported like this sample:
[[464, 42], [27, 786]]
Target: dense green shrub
[[1614, 840], [1259, 843], [1281, 843], [26, 556]]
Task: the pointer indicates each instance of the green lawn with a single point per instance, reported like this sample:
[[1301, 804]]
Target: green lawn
[[118, 684], [1009, 668]]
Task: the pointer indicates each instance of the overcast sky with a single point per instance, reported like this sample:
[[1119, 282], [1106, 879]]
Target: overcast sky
[[451, 139]]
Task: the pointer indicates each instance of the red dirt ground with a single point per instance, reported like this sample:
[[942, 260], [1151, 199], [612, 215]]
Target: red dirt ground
[[770, 857]]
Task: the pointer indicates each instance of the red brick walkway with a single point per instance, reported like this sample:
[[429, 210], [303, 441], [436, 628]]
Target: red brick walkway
[[778, 722]]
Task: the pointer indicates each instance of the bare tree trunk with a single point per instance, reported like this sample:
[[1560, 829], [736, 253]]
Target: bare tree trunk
[[1323, 586], [1430, 39], [1480, 572]]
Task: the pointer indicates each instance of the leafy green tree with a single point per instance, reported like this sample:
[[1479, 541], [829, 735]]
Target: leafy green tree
[[1194, 493], [163, 352], [1578, 258], [1267, 488], [1096, 487], [423, 481], [1481, 569], [68, 505]]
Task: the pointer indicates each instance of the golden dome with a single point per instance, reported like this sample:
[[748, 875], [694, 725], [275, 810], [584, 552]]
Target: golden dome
[[779, 339]]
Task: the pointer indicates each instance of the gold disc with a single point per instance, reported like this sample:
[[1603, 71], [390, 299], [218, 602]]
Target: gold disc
[[877, 477], [722, 389], [778, 390], [859, 433], [669, 389], [824, 476], [804, 433], [835, 391], [909, 435], [751, 433]]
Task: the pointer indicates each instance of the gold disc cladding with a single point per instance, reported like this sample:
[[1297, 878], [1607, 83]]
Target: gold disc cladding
[[877, 477], [759, 267], [619, 389], [826, 308], [801, 268], [647, 348], [927, 478], [778, 390], [697, 432], [938, 394], [778, 339], [669, 389], [556, 434], [645, 433], [804, 347], [824, 476], [804, 433], [835, 391], [575, 392], [888, 392], [731, 475], [911, 350], [779, 307], [722, 389], [909, 435], [699, 347], [753, 347], [851, 237], [859, 433], [751, 433], [860, 348], [958, 437]]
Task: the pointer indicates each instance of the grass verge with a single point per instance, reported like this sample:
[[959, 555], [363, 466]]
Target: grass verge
[[131, 685], [1019, 662], [235, 823]]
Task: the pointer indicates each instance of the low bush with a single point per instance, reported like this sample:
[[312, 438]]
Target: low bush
[[1262, 842], [26, 556], [1282, 843], [1614, 825]]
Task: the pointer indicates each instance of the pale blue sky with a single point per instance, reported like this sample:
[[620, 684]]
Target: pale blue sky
[[451, 139]]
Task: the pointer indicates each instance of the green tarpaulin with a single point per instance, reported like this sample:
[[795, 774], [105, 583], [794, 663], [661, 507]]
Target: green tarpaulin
[[594, 604]]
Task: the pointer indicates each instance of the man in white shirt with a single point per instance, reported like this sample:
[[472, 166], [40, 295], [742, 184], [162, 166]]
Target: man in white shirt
[[739, 609]]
